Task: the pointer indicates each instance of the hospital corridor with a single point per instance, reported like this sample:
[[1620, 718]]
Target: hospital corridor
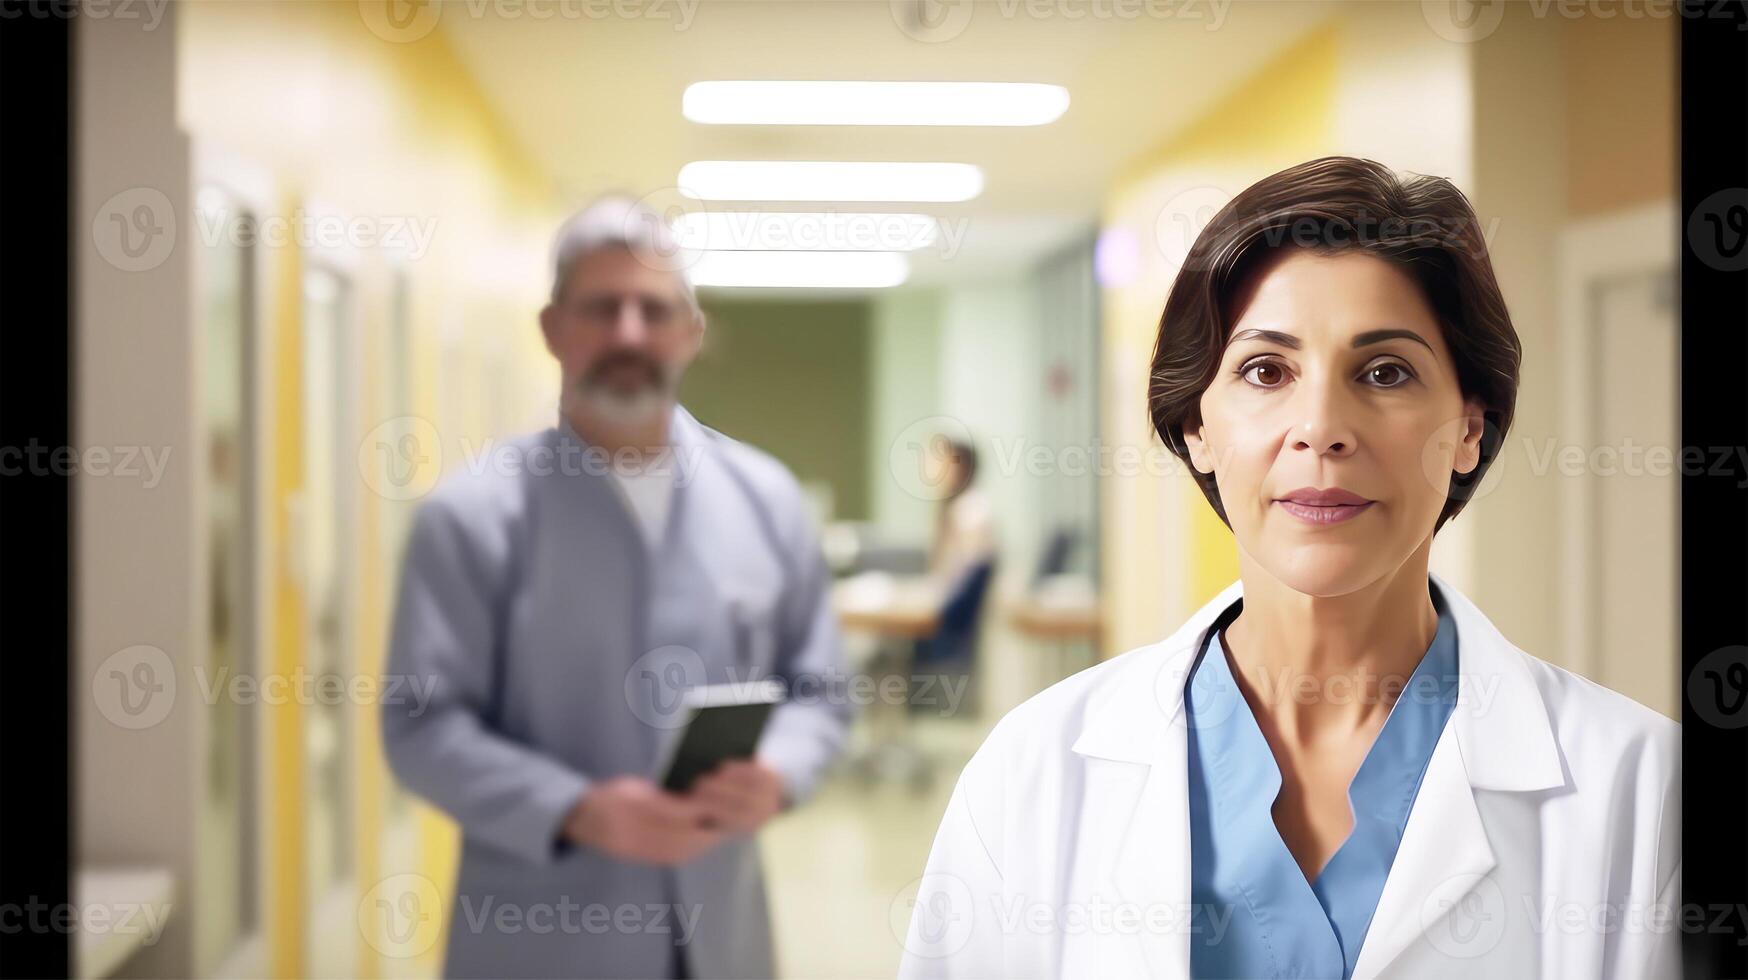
[[566, 487]]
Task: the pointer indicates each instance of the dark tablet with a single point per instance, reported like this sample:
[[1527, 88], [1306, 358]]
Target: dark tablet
[[722, 722]]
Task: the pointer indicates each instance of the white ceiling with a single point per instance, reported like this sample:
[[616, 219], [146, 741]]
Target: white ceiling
[[596, 100]]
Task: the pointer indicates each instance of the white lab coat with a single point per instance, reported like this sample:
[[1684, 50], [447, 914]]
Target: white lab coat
[[1544, 840]]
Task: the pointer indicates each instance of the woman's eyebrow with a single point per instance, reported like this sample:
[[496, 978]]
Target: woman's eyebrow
[[1360, 340], [1392, 333], [1272, 336]]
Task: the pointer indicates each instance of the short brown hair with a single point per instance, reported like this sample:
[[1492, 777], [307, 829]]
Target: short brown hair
[[1423, 225]]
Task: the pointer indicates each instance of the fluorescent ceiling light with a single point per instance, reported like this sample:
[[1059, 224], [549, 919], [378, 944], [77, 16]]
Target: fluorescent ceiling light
[[807, 270], [875, 103], [799, 180], [811, 231]]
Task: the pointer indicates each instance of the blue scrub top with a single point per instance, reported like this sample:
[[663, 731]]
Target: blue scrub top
[[1255, 914]]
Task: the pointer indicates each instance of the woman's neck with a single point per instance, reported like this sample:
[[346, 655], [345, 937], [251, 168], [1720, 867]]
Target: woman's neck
[[1331, 664]]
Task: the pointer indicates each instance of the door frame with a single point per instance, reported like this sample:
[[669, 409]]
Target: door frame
[[1632, 242]]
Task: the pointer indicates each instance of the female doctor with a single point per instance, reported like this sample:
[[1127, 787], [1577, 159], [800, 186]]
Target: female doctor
[[1338, 767]]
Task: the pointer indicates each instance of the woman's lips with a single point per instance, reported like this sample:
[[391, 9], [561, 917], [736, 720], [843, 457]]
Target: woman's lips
[[1333, 514]]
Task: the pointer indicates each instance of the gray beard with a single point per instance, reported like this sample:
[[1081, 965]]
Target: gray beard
[[637, 408]]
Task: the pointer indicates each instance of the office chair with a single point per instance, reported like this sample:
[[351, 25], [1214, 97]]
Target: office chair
[[949, 652], [1058, 550]]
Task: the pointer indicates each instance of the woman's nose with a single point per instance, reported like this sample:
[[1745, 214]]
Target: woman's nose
[[1323, 422]]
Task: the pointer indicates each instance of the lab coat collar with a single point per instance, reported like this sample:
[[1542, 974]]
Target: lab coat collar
[[1498, 738], [1501, 723]]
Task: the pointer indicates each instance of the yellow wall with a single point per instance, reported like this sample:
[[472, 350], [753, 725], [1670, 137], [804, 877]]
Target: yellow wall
[[1165, 551], [338, 119]]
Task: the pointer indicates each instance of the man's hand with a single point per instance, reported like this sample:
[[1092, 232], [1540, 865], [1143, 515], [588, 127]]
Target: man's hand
[[633, 819], [739, 795]]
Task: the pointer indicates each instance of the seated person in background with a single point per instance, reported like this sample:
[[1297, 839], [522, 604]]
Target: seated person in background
[[964, 522]]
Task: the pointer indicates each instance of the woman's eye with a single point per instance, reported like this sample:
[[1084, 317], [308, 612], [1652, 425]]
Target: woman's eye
[[1388, 375], [1263, 374]]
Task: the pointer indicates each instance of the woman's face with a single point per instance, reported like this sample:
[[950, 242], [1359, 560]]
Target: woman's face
[[1336, 376]]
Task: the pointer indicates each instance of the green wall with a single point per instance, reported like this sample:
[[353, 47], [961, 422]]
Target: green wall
[[793, 379]]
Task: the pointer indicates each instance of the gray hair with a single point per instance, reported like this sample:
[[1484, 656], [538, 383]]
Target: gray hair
[[619, 222]]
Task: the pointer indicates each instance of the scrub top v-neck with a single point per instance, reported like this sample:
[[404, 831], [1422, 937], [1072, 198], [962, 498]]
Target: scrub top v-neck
[[1253, 912]]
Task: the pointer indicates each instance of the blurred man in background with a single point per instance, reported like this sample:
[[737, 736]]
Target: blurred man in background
[[561, 597]]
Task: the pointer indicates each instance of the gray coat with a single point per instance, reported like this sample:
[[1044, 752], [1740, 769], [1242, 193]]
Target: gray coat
[[557, 642]]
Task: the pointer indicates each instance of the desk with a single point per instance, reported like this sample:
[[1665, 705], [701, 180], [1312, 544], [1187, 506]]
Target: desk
[[891, 607], [1060, 621], [892, 613], [1050, 621]]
